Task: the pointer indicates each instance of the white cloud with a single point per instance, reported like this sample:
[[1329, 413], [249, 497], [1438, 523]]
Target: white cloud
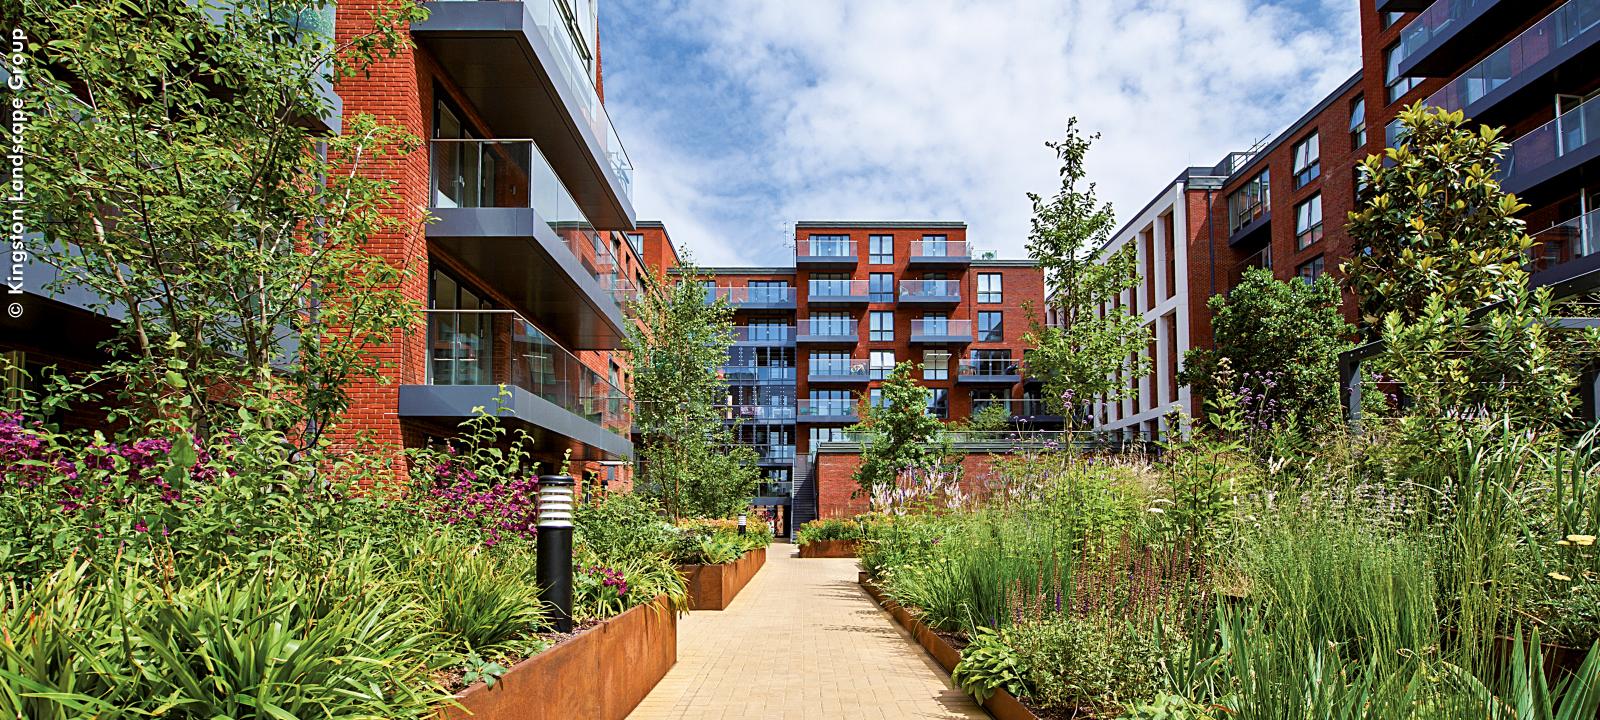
[[938, 109]]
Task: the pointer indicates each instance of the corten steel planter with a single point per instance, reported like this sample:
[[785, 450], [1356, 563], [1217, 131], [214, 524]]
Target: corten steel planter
[[1002, 705], [602, 672], [713, 587], [829, 549]]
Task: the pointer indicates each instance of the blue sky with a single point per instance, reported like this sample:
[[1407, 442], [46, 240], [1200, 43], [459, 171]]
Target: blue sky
[[743, 116]]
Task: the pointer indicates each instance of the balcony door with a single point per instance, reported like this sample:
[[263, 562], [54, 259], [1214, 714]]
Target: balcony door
[[460, 335], [463, 174]]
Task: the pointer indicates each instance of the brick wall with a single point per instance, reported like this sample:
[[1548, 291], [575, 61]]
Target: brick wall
[[836, 485]]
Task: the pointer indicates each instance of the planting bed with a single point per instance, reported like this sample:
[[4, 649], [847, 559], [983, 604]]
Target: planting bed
[[601, 673], [1002, 705], [829, 549], [713, 587]]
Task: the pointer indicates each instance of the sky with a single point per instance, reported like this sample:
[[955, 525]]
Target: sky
[[745, 116]]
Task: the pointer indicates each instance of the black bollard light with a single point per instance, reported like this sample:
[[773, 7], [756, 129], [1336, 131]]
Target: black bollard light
[[555, 549], [741, 523]]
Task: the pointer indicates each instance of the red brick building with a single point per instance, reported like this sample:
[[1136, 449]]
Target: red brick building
[[815, 340]]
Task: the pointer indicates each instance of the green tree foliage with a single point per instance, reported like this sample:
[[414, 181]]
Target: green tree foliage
[[1079, 360], [898, 434], [1282, 342], [1446, 285], [172, 172], [687, 456]]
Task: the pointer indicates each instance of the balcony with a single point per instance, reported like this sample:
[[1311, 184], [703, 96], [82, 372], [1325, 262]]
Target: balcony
[[473, 354], [774, 454], [1023, 409], [930, 292], [759, 374], [989, 371], [836, 292], [831, 410], [828, 330], [939, 253], [1527, 67], [1555, 151], [1260, 259], [527, 75], [502, 211], [763, 335], [940, 331], [1449, 32], [754, 298], [825, 252], [837, 370], [1402, 5], [775, 490], [768, 414], [1566, 251]]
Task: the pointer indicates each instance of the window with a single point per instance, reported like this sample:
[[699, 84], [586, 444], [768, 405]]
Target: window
[[1392, 17], [463, 342], [767, 330], [880, 287], [934, 246], [991, 362], [828, 434], [989, 288], [830, 284], [936, 365], [1358, 123], [637, 241], [882, 326], [1307, 161], [989, 328], [937, 324], [1312, 270], [875, 397], [831, 402], [830, 363], [1308, 222], [1398, 84], [1394, 134], [880, 249], [1170, 232], [939, 402], [879, 363], [1250, 202], [769, 291], [1170, 323]]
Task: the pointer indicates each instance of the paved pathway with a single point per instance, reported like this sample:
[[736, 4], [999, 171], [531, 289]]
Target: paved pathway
[[802, 641]]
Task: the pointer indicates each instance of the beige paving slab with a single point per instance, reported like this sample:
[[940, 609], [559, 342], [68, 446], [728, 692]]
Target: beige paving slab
[[802, 641]]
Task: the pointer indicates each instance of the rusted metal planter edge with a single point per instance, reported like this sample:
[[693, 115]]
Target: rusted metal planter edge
[[713, 587], [829, 549]]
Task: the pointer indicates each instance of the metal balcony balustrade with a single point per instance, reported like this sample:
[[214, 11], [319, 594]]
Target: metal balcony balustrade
[[1576, 20], [500, 347], [759, 413], [513, 173]]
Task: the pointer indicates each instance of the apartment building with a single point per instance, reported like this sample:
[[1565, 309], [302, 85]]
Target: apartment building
[[530, 253], [815, 340]]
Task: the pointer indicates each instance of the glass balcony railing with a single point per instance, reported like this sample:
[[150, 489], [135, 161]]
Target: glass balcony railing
[[1439, 18], [515, 174], [1573, 239], [825, 247], [940, 249], [839, 367], [1572, 131], [829, 327], [1260, 259], [940, 289], [836, 289], [752, 295], [1017, 407], [758, 373], [759, 413], [988, 367], [1555, 31], [775, 489], [572, 64], [500, 347], [941, 327], [763, 333], [828, 407], [775, 453]]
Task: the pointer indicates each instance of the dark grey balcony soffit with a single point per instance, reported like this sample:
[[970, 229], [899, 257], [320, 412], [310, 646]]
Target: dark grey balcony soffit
[[554, 428]]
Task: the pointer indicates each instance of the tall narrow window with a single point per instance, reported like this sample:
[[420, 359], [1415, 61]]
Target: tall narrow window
[[880, 363], [1398, 84], [880, 287], [989, 288], [1308, 222], [936, 365], [1312, 270], [934, 246], [882, 326], [1307, 160], [1170, 324], [1169, 231], [989, 328], [938, 402], [1148, 268], [1358, 123], [880, 249], [1252, 200]]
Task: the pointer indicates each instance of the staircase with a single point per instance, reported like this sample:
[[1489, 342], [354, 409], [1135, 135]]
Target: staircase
[[804, 506]]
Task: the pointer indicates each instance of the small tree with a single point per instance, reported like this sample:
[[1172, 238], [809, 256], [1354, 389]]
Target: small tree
[[687, 455], [1282, 342], [1445, 283], [172, 174], [897, 434], [1079, 360]]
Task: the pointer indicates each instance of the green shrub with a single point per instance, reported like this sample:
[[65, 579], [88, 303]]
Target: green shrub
[[829, 529], [475, 600], [988, 664], [1091, 663]]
